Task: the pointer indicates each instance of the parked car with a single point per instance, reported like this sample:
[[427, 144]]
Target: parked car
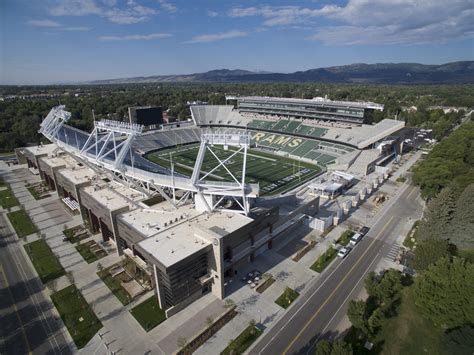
[[343, 252], [364, 230], [356, 238]]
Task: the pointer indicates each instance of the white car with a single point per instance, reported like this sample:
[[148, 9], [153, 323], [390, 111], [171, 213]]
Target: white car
[[356, 238], [343, 252]]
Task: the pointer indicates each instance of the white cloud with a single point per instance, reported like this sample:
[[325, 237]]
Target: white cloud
[[218, 36], [212, 13], [148, 37], [44, 23], [76, 29], [129, 13], [278, 15], [166, 6], [75, 8], [375, 22]]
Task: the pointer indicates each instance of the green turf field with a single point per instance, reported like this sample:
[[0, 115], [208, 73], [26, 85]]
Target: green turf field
[[275, 174]]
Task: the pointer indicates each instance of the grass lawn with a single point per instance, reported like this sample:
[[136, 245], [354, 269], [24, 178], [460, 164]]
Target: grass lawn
[[148, 313], [409, 333], [324, 260], [69, 234], [287, 298], [77, 315], [243, 341], [7, 199], [22, 223], [44, 261], [401, 179], [34, 193], [345, 237], [115, 286], [86, 253]]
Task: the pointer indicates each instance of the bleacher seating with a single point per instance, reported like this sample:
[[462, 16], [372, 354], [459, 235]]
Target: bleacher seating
[[224, 118], [304, 148], [279, 126], [292, 126]]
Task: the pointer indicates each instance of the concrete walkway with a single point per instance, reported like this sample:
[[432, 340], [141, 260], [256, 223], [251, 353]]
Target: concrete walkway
[[121, 332]]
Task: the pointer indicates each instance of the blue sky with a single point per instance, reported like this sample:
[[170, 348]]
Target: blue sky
[[59, 41]]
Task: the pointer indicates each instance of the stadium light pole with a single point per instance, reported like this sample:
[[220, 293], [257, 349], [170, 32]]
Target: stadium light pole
[[172, 176]]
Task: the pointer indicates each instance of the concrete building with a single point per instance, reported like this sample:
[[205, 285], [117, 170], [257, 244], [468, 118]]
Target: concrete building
[[190, 253], [183, 253]]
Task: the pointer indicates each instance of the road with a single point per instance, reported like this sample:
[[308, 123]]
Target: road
[[318, 311], [28, 324]]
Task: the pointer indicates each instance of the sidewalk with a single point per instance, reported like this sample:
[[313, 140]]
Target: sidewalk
[[121, 331]]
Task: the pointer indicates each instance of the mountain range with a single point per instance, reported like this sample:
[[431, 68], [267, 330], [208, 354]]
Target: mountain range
[[360, 73]]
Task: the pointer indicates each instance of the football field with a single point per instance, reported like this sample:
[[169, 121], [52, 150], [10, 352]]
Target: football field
[[275, 174]]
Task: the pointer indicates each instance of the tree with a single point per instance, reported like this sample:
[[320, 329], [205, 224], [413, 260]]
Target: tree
[[100, 267], [438, 216], [375, 321], [340, 347], [389, 286], [450, 160], [357, 313], [428, 252], [459, 341], [323, 347], [463, 220], [385, 289], [443, 293], [371, 284]]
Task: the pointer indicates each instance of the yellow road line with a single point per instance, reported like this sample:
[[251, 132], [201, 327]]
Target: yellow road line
[[4, 277], [337, 287]]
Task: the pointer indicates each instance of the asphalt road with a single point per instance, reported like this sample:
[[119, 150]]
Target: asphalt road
[[27, 323], [317, 312]]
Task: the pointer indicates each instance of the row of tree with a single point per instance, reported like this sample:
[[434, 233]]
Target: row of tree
[[20, 116], [452, 160], [442, 294], [447, 226]]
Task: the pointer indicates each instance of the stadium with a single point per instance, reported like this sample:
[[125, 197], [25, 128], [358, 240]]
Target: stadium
[[193, 203]]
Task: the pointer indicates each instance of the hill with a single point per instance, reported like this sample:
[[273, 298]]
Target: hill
[[381, 73]]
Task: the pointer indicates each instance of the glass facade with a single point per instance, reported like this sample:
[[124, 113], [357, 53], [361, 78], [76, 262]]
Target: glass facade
[[317, 110]]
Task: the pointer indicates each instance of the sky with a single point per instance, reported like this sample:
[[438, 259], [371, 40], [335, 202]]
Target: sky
[[67, 41]]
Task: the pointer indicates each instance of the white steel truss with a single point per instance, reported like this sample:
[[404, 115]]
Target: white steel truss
[[53, 122], [106, 148], [111, 140], [241, 143]]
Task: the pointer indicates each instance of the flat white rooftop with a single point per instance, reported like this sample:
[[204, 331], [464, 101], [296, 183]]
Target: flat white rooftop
[[41, 149], [60, 160], [173, 235], [113, 195], [315, 100], [77, 175]]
